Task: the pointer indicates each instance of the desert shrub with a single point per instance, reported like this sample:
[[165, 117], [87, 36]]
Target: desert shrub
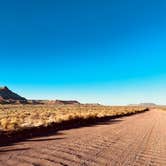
[[15, 117]]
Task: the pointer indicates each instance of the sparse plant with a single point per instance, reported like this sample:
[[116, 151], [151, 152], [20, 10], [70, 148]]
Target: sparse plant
[[16, 117]]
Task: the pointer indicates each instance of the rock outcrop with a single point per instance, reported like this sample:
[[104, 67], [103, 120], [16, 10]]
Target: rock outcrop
[[7, 96]]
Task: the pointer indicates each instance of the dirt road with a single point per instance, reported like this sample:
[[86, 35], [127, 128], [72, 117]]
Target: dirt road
[[135, 140]]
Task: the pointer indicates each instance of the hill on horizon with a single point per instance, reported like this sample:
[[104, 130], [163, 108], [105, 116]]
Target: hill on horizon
[[9, 97], [144, 104], [6, 95]]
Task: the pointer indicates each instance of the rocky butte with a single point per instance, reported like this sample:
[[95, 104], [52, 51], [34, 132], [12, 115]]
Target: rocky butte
[[7, 96]]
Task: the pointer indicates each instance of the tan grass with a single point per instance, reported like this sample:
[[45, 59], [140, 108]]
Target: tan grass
[[16, 117]]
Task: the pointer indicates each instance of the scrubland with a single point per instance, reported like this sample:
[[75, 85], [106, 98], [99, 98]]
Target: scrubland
[[20, 117], [161, 108]]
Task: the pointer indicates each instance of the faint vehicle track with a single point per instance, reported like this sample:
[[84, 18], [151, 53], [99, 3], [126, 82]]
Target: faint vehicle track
[[136, 140]]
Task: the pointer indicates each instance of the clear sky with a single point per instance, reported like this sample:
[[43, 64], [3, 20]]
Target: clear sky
[[106, 51]]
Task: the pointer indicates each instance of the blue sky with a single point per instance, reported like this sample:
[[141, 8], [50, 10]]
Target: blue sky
[[107, 51]]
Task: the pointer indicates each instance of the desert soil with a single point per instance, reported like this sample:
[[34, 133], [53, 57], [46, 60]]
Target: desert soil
[[136, 140]]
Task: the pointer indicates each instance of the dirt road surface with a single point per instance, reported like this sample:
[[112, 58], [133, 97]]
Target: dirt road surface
[[136, 140]]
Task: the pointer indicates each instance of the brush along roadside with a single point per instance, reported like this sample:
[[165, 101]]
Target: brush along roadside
[[31, 120]]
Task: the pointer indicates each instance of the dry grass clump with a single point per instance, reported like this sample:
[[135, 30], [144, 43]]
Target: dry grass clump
[[162, 108], [18, 117]]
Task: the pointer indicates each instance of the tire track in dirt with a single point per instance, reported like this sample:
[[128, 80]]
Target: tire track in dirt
[[135, 140]]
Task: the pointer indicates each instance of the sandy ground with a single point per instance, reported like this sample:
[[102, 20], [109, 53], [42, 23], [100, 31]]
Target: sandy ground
[[136, 140]]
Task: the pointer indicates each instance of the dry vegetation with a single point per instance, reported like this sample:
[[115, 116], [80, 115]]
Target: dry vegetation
[[18, 117], [162, 108]]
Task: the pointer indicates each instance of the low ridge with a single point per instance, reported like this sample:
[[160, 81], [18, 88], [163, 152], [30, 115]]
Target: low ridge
[[9, 97]]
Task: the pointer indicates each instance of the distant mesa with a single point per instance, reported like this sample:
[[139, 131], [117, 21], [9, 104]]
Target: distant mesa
[[144, 104], [57, 102], [7, 94], [9, 97], [67, 102], [148, 104]]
